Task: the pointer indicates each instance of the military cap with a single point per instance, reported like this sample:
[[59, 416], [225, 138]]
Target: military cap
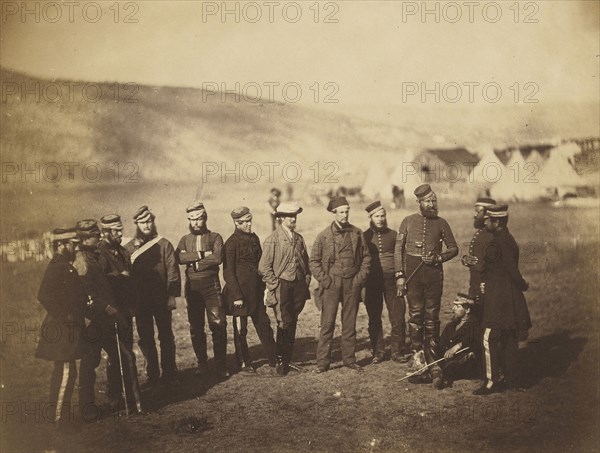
[[111, 222], [143, 214], [485, 202], [87, 228], [496, 212], [337, 202], [196, 210], [464, 299], [288, 209], [65, 235], [374, 207], [423, 192], [241, 213]]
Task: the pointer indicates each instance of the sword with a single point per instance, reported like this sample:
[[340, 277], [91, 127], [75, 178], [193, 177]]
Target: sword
[[237, 342], [420, 370], [411, 276], [121, 369]]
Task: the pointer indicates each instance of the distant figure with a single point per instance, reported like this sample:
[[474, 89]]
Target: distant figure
[[398, 197], [274, 201]]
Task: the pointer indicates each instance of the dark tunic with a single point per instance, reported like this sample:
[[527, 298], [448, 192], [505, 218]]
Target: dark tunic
[[469, 335], [477, 247], [63, 297], [242, 252], [114, 260], [381, 243], [504, 304]]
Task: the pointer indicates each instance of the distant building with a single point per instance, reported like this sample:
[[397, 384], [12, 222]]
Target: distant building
[[445, 165]]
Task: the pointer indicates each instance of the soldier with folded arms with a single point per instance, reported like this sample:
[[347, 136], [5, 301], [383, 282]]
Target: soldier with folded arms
[[201, 252]]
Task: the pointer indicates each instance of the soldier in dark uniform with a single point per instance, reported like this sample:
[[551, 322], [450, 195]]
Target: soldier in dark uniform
[[506, 318], [475, 259], [381, 283], [201, 251], [340, 261], [419, 251], [103, 314], [244, 289], [64, 299], [115, 264], [459, 344], [157, 281]]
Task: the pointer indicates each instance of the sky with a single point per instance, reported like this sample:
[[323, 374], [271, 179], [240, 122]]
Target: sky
[[355, 52]]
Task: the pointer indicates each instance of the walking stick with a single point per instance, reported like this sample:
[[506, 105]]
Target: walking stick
[[420, 370], [121, 369]]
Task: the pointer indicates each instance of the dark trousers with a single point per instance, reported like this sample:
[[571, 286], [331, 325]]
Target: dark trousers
[[145, 318], [99, 336], [292, 298], [475, 280], [463, 365], [500, 347], [424, 299], [62, 384], [379, 288], [113, 370], [203, 297], [341, 290], [262, 325]]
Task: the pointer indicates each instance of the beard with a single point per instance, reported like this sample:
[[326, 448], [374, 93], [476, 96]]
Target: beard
[[430, 213], [478, 223], [197, 231], [139, 234], [381, 228]]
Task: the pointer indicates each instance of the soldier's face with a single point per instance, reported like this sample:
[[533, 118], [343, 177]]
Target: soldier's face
[[244, 225], [490, 225], [197, 225], [289, 223], [478, 217], [147, 227], [429, 206], [342, 214], [379, 219], [458, 311], [92, 241], [114, 236]]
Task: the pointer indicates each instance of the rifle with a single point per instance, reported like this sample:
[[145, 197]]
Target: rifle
[[420, 370], [121, 368]]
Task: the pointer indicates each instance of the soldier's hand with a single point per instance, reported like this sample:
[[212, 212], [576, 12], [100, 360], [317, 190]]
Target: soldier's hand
[[469, 260], [401, 285], [111, 311], [429, 258], [125, 273], [171, 303], [238, 303]]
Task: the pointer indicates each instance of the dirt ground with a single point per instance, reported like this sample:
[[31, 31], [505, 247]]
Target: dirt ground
[[342, 410]]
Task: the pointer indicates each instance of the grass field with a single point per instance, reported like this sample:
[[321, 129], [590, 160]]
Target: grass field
[[339, 410]]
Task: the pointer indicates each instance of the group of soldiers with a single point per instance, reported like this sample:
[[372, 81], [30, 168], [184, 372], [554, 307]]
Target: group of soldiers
[[93, 277]]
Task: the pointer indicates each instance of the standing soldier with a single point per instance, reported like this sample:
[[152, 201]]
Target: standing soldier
[[115, 263], [201, 252], [157, 281], [284, 267], [64, 299], [381, 284], [244, 288], [506, 318], [102, 313], [475, 259], [340, 262], [418, 254]]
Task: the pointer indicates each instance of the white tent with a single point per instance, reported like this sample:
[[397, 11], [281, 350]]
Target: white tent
[[375, 185], [407, 175], [517, 182], [558, 177], [488, 170]]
